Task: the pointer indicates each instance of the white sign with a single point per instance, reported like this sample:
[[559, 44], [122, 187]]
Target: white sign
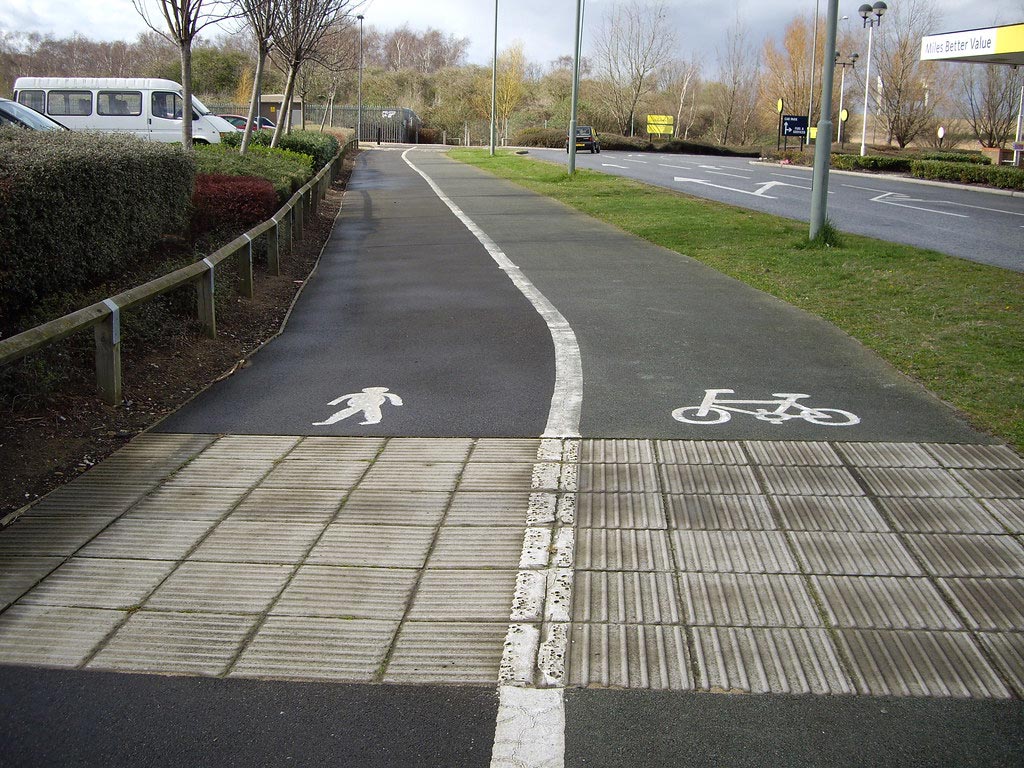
[[368, 402], [714, 410], [956, 45]]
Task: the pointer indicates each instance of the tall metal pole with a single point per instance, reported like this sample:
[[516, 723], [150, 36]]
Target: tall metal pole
[[822, 149], [359, 98], [867, 92], [814, 53], [571, 138], [842, 87], [494, 84], [1020, 126]]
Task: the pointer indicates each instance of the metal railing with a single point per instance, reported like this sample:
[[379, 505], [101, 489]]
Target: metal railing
[[105, 316]]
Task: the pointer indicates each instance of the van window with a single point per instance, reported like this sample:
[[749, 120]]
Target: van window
[[33, 100], [119, 103], [167, 105], [69, 103]]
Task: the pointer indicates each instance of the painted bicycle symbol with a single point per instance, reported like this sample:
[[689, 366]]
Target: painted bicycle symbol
[[717, 411]]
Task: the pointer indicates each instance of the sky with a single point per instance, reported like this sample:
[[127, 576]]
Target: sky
[[544, 27]]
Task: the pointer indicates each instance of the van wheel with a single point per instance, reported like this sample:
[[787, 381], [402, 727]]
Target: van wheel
[[201, 141]]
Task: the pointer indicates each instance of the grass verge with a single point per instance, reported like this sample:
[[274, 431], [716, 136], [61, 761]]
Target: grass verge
[[955, 326]]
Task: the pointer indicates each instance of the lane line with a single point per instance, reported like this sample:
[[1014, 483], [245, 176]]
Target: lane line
[[734, 175], [567, 399]]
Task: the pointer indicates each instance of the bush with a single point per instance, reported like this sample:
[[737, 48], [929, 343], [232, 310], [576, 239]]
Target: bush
[[285, 170], [1004, 177], [678, 146], [80, 208], [236, 203], [322, 147], [627, 143], [957, 157], [871, 163], [552, 138]]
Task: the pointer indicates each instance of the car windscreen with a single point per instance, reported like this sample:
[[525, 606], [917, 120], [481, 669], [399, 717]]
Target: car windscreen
[[583, 131], [21, 115], [199, 107]]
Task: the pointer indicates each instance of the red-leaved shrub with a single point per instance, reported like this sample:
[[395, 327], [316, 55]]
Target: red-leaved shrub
[[233, 203]]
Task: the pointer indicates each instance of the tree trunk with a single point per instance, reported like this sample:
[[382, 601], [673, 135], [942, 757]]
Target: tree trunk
[[254, 102], [186, 93], [286, 105]]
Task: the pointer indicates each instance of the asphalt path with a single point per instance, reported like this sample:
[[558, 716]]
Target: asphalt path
[[407, 299], [955, 220]]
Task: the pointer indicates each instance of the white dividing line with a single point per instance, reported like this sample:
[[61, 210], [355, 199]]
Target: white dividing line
[[680, 167], [612, 165], [734, 175], [567, 400]]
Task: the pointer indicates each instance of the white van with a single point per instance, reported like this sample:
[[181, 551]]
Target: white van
[[146, 107]]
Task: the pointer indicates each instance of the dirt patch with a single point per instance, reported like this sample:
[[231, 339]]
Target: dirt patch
[[46, 442]]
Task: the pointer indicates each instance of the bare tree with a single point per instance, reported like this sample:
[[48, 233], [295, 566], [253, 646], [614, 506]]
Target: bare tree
[[903, 103], [735, 100], [787, 71], [511, 84], [184, 20], [263, 18], [633, 42], [988, 101], [684, 79], [304, 25]]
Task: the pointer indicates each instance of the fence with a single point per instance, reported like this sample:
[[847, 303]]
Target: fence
[[105, 316]]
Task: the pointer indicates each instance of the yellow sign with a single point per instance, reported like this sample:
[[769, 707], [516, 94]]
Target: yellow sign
[[812, 133], [661, 125]]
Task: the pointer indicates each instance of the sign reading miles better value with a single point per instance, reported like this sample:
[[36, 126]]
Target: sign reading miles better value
[[661, 125], [997, 45]]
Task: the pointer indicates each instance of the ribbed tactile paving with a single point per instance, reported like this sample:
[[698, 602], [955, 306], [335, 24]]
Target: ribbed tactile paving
[[53, 636], [616, 451], [149, 539], [854, 554], [40, 536], [411, 476], [396, 546], [975, 456], [719, 512], [965, 555], [1009, 512], [873, 602], [1007, 649], [504, 508], [768, 661], [988, 604], [314, 648], [437, 652], [700, 452], [918, 482], [318, 473], [340, 592], [284, 505], [992, 483], [181, 643], [629, 656], [19, 574], [477, 547], [242, 541], [220, 588], [746, 600], [702, 478], [810, 481], [464, 595], [622, 550], [620, 510], [87, 583], [886, 663], [886, 455], [618, 478], [793, 454], [733, 551], [187, 502], [625, 597], [939, 516], [853, 514], [383, 508]]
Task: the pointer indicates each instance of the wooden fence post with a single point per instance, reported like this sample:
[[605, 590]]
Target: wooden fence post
[[297, 213], [205, 308], [273, 249], [245, 269], [108, 355]]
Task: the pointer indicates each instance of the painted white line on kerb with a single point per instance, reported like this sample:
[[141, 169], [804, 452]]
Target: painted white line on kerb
[[567, 399]]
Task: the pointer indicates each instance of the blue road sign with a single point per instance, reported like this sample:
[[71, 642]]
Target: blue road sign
[[794, 125]]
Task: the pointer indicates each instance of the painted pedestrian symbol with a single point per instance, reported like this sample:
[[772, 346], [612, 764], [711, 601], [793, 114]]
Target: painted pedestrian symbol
[[368, 402], [714, 410]]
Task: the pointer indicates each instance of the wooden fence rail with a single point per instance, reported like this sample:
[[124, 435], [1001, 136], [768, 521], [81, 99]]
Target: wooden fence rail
[[286, 226]]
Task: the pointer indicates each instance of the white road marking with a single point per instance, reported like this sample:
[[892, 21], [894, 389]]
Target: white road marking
[[642, 162], [715, 410], [938, 202], [680, 167], [719, 186], [901, 200], [612, 165], [368, 402], [788, 175], [567, 400], [531, 728], [772, 184], [734, 175]]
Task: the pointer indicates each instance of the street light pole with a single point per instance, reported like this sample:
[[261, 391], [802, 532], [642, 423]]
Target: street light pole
[[866, 12], [359, 98], [842, 87], [814, 53], [823, 149], [571, 138], [494, 84]]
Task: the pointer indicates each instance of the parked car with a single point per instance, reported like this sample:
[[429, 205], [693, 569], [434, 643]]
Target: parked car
[[149, 108], [261, 123], [13, 113], [586, 138]]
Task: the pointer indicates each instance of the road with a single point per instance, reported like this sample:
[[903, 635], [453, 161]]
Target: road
[[971, 224]]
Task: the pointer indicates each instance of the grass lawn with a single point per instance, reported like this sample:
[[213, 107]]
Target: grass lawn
[[955, 326]]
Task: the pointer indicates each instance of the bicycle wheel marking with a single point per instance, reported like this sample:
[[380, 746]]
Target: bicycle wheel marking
[[717, 410]]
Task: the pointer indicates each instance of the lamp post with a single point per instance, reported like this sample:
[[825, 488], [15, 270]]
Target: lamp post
[[494, 84], [570, 141], [822, 149], [814, 54], [866, 12], [359, 96], [842, 87]]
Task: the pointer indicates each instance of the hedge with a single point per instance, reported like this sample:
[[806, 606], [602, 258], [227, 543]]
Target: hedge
[[81, 208], [235, 203], [286, 170], [871, 163], [678, 146], [554, 138], [322, 147], [957, 157], [1004, 177]]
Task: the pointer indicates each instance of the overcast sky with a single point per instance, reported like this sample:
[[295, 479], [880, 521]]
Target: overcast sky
[[543, 26]]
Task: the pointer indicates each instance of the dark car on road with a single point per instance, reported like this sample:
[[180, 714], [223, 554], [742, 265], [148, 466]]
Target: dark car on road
[[586, 138]]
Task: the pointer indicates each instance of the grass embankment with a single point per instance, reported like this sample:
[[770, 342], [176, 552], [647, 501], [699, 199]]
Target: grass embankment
[[955, 326]]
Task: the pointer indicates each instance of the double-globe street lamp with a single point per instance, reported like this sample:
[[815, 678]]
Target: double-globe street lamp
[[852, 62], [867, 12]]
